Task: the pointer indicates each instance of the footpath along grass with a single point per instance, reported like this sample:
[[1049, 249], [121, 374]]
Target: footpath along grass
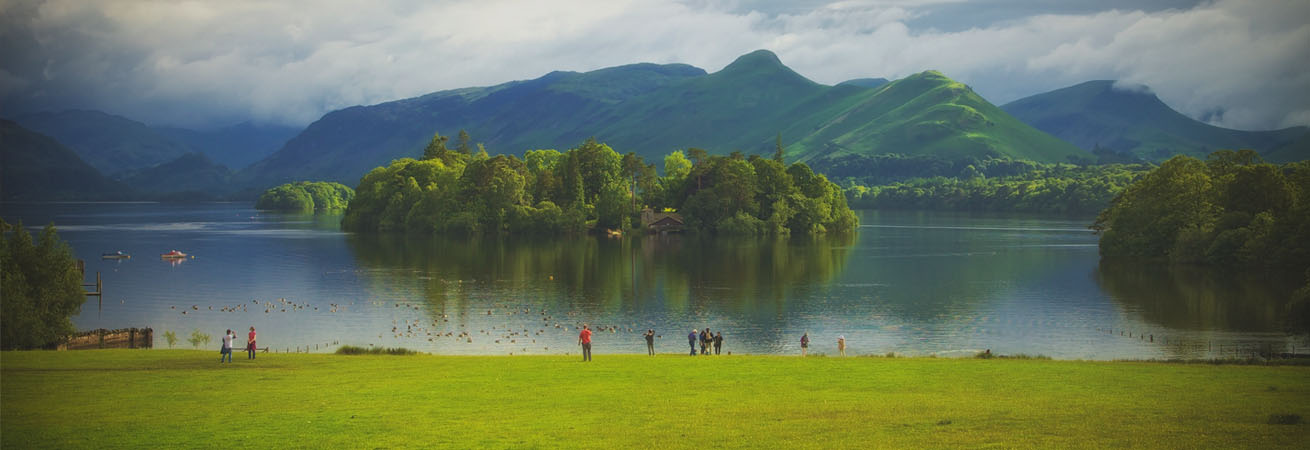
[[180, 399]]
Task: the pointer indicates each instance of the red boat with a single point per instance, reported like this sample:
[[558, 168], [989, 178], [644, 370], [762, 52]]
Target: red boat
[[173, 255]]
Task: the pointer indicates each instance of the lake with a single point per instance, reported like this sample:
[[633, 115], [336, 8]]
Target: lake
[[913, 283]]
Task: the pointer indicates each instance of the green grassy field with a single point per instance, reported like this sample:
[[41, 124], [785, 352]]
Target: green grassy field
[[175, 399]]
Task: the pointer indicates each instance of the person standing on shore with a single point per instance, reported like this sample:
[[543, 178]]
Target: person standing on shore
[[705, 342], [226, 350], [650, 342], [841, 345], [250, 344], [584, 339], [691, 341], [718, 342], [805, 343]]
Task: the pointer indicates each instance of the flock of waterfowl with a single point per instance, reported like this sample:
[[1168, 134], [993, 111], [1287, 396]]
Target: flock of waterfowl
[[522, 329], [269, 307]]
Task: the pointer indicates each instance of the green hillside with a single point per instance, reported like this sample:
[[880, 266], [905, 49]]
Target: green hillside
[[929, 114], [741, 107], [551, 111], [1097, 113], [109, 143], [654, 109], [36, 167]]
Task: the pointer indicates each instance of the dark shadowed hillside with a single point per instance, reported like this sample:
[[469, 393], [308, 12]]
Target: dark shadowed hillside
[[107, 142], [235, 146], [1098, 113], [36, 167]]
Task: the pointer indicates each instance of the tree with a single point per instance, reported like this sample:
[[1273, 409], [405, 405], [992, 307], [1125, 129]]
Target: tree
[[462, 143], [40, 291], [676, 166], [436, 148], [777, 148], [198, 338]]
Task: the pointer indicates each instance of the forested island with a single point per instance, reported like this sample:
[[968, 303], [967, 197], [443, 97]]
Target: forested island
[[1231, 211], [463, 190], [306, 197]]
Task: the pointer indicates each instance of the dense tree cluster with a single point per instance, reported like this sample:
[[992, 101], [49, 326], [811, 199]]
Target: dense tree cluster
[[891, 168], [1230, 210], [1013, 186], [40, 291], [307, 197], [547, 192]]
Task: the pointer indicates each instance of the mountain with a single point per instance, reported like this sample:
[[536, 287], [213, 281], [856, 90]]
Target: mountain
[[191, 176], [1134, 120], [865, 82], [235, 146], [109, 143], [654, 109], [550, 111], [928, 114], [36, 167]]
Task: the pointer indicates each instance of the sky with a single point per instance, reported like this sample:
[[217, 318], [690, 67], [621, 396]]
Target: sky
[[205, 64]]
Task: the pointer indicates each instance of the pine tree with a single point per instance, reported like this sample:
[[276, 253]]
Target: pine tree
[[462, 143], [436, 148], [777, 152]]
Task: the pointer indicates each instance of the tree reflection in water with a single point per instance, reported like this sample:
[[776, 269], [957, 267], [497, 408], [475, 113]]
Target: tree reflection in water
[[1201, 299], [598, 275]]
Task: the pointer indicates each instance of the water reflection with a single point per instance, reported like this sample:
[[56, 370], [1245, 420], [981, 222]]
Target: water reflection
[[1200, 299], [585, 271], [908, 282]]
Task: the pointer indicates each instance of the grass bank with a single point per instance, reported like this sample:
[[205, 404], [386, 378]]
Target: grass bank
[[174, 399]]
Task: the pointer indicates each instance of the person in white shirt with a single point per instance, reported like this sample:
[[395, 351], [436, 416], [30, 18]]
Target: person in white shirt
[[226, 352]]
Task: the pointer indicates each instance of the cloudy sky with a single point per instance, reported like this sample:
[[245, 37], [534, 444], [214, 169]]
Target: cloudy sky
[[1235, 63]]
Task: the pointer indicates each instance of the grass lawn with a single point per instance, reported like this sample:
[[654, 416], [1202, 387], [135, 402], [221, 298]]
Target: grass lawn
[[174, 398]]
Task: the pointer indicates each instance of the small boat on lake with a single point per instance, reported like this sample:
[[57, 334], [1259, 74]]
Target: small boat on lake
[[173, 255], [115, 255]]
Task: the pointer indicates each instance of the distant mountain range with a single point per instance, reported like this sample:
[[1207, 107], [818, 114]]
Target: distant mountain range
[[116, 144], [36, 167], [649, 109], [655, 109], [235, 146], [1133, 120]]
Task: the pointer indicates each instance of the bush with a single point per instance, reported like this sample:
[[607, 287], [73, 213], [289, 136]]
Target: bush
[[741, 224], [40, 291], [198, 338]]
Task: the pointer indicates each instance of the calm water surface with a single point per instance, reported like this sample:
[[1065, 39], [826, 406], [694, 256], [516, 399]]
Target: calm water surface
[[908, 282]]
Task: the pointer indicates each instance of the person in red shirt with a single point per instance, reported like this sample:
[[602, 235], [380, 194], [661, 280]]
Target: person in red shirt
[[250, 344], [584, 339]]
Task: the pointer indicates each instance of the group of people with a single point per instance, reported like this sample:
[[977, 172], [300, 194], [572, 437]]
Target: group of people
[[706, 339], [805, 344], [229, 338]]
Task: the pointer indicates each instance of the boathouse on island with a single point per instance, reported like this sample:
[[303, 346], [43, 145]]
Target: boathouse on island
[[660, 222]]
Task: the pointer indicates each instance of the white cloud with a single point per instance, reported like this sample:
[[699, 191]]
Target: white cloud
[[198, 63]]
